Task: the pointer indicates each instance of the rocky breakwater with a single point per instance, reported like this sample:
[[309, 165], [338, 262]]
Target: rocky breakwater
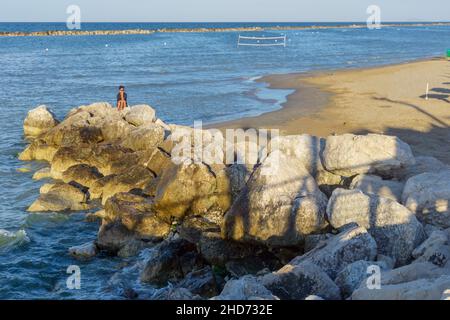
[[75, 33], [308, 217]]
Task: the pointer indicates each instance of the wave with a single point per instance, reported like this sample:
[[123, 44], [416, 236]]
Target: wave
[[253, 79], [9, 240]]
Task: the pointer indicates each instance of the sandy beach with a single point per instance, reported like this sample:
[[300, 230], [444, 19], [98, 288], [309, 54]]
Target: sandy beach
[[389, 100]]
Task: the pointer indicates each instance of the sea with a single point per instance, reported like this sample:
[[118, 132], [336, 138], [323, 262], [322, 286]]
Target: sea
[[186, 77]]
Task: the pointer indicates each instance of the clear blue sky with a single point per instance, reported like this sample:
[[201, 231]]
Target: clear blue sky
[[224, 10]]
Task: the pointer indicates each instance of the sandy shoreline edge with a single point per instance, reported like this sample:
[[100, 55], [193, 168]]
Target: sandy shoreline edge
[[387, 99]]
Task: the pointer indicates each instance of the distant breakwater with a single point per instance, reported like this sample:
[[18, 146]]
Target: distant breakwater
[[203, 30]]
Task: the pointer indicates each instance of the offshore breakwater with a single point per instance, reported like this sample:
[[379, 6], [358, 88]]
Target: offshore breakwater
[[204, 30]]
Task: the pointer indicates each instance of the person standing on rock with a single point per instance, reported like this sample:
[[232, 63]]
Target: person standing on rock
[[121, 99]]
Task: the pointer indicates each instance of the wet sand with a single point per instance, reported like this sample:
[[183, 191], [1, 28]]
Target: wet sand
[[388, 100]]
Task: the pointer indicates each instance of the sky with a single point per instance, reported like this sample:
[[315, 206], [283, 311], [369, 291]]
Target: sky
[[223, 10]]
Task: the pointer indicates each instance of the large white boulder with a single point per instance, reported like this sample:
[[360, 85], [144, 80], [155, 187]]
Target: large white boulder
[[417, 281], [245, 288], [423, 164], [279, 206], [297, 282], [140, 115], [428, 196], [394, 227], [334, 254], [145, 137], [349, 154], [305, 147], [39, 120], [376, 185]]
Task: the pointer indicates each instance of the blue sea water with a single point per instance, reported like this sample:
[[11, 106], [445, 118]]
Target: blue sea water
[[184, 76]]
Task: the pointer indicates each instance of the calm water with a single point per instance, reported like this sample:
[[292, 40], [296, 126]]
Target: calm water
[[185, 76]]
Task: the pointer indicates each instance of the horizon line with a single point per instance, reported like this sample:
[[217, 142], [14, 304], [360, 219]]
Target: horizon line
[[310, 21]]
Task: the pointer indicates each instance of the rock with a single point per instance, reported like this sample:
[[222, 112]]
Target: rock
[[107, 158], [415, 281], [201, 282], [145, 137], [435, 240], [190, 188], [43, 173], [313, 240], [114, 129], [348, 154], [140, 115], [246, 152], [38, 121], [218, 251], [86, 124], [137, 177], [95, 216], [296, 282], [388, 262], [423, 164], [84, 251], [350, 278], [422, 289], [429, 229], [157, 161], [435, 249], [314, 298], [256, 264], [170, 293], [38, 150], [69, 134], [112, 237], [428, 196], [238, 175], [97, 109], [328, 182], [131, 249], [162, 124], [61, 197], [245, 288], [84, 175], [376, 185], [304, 147], [172, 261], [137, 215], [279, 206], [205, 146], [114, 159], [129, 293], [45, 188], [413, 272], [193, 227], [334, 254], [394, 228]]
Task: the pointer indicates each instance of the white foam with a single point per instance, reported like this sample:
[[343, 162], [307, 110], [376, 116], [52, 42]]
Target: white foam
[[10, 239], [253, 79]]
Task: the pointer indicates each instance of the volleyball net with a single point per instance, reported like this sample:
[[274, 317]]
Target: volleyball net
[[262, 41]]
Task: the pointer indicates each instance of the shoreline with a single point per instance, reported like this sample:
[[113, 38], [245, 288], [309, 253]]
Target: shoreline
[[356, 100], [203, 30]]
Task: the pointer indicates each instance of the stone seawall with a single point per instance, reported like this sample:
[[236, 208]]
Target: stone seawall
[[203, 30], [309, 218]]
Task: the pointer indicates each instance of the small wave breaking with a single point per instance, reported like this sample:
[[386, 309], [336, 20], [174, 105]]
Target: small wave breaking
[[9, 240]]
